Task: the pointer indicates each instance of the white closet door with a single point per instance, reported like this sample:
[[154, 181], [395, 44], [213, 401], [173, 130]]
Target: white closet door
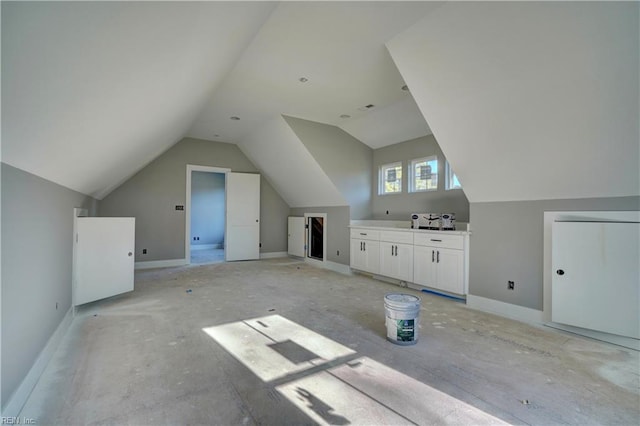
[[104, 257], [596, 276], [242, 239], [295, 240]]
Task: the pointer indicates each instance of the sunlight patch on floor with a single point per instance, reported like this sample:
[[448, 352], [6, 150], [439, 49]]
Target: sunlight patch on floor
[[357, 391], [252, 343]]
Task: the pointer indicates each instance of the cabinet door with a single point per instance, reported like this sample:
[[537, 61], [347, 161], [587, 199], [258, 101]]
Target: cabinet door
[[372, 256], [396, 260], [424, 262], [357, 255], [387, 258], [450, 270], [404, 262]]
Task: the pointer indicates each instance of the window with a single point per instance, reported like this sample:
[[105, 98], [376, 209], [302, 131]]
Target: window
[[451, 180], [390, 180], [424, 174]]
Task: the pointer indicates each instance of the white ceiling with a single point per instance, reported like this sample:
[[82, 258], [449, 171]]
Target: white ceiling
[[93, 91], [340, 48]]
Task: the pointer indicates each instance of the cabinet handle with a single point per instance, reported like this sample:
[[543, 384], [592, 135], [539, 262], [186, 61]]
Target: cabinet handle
[[360, 245], [391, 250], [396, 250], [433, 256], [363, 233], [438, 257], [433, 239], [364, 246]]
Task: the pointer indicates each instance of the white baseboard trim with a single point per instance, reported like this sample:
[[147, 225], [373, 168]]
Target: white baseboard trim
[[160, 263], [22, 393], [338, 267], [627, 342], [206, 246], [508, 310], [273, 254]]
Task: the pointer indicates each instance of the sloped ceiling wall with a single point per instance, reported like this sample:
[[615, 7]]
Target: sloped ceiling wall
[[91, 92], [283, 159], [530, 100]]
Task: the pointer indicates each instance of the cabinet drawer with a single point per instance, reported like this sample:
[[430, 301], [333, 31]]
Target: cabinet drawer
[[365, 234], [439, 240], [397, 237]]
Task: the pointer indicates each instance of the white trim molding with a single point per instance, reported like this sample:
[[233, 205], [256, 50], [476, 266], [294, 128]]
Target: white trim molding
[[338, 267], [19, 398], [206, 246], [273, 255], [508, 310], [554, 216], [187, 207], [161, 263]]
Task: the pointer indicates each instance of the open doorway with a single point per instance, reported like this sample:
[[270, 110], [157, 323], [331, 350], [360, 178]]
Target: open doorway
[[205, 215], [316, 236]]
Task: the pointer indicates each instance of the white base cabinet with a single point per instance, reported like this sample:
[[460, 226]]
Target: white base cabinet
[[439, 268], [436, 259], [396, 261], [365, 251]]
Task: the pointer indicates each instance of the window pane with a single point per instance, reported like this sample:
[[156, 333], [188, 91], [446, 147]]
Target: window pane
[[391, 176], [452, 181], [425, 174]]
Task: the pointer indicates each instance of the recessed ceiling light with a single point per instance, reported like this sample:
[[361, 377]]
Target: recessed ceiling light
[[366, 107], [345, 116], [405, 88], [303, 79], [235, 118]]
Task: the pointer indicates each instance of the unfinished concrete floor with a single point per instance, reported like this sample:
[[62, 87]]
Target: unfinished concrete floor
[[166, 355]]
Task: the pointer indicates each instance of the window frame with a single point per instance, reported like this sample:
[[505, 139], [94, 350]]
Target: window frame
[[382, 178], [412, 175], [449, 178]]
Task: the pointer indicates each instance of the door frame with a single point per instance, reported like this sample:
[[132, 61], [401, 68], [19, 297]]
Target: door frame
[[77, 212], [308, 242], [187, 207]]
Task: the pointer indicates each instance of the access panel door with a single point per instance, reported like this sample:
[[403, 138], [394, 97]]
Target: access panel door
[[595, 274], [104, 257], [243, 217], [296, 236]]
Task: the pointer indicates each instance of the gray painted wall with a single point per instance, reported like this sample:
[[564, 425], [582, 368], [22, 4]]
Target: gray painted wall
[[337, 229], [152, 194], [400, 206], [507, 244], [37, 248], [345, 160], [207, 208]]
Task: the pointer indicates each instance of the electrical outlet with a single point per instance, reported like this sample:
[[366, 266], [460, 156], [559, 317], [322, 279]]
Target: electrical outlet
[[144, 251], [511, 285], [387, 211]]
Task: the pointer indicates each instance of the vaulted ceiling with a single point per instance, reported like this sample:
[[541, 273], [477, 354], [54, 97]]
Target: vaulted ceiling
[[93, 91], [527, 100]]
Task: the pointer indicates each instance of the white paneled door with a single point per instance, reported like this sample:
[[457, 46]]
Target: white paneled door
[[242, 240], [296, 236], [596, 277], [104, 257]]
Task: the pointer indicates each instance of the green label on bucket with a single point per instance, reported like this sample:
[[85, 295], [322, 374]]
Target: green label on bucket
[[405, 330]]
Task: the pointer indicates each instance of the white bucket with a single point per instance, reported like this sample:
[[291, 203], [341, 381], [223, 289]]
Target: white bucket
[[402, 311]]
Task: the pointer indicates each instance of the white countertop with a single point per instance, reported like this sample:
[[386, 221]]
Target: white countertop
[[403, 226]]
